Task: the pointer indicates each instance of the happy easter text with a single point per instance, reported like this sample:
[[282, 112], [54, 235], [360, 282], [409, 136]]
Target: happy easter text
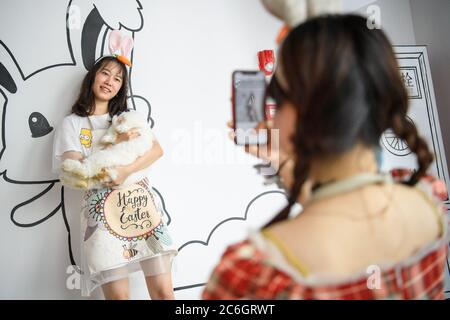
[[135, 201]]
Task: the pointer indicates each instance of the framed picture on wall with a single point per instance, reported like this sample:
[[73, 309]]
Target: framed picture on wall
[[416, 75]]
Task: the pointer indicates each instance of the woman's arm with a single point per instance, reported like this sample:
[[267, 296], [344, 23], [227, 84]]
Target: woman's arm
[[74, 155], [147, 159], [144, 161]]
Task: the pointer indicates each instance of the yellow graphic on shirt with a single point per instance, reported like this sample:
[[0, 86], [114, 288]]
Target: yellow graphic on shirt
[[86, 137]]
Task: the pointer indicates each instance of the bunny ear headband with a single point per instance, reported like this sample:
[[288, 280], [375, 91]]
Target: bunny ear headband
[[119, 47], [294, 12]]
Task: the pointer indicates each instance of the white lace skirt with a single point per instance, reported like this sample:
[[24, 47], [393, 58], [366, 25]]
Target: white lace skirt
[[123, 231]]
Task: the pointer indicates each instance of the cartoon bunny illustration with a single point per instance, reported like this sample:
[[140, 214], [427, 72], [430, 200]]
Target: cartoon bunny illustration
[[88, 24], [33, 101]]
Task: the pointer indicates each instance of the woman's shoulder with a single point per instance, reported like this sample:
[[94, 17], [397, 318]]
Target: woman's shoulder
[[395, 211], [71, 119]]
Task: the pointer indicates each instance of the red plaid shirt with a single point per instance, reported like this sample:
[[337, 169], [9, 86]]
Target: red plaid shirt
[[238, 276], [245, 271]]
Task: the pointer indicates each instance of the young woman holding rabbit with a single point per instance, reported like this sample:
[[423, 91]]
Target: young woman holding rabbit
[[119, 235]]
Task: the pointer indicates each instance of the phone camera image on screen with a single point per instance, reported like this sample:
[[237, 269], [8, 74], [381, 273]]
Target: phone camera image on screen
[[249, 94]]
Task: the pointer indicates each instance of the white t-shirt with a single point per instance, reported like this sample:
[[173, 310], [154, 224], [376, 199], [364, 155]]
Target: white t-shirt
[[75, 134]]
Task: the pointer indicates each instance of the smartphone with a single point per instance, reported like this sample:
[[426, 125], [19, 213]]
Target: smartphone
[[248, 96]]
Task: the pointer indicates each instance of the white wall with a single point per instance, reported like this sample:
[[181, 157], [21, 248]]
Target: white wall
[[183, 58], [396, 20]]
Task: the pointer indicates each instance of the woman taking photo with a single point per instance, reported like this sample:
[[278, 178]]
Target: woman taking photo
[[361, 235]]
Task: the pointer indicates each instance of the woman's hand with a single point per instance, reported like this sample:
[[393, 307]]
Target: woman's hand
[[125, 136], [74, 155]]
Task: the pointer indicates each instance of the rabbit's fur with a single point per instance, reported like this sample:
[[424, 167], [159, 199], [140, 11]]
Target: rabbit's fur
[[97, 169]]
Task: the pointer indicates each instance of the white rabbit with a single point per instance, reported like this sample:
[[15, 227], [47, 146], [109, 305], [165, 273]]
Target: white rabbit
[[96, 169]]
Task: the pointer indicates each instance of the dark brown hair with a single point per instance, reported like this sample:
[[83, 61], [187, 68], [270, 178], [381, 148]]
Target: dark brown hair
[[85, 104], [345, 84]]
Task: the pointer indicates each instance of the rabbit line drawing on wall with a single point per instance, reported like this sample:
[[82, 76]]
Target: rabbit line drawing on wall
[[33, 101], [52, 90]]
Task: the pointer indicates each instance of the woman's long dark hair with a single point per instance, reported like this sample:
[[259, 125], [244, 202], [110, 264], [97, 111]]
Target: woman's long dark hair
[[85, 104], [345, 84]]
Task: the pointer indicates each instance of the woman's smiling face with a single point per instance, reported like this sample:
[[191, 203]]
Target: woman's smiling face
[[108, 81]]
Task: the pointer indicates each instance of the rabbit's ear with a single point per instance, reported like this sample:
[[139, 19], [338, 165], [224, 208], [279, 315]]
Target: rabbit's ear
[[85, 27], [126, 46], [114, 41], [92, 29], [6, 81], [9, 71]]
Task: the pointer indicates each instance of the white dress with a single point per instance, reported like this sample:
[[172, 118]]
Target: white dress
[[122, 230]]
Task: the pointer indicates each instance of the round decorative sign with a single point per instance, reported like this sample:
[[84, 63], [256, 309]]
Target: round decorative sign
[[130, 213], [394, 144]]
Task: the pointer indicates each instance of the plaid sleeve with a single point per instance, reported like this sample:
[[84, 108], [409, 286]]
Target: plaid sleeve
[[242, 274]]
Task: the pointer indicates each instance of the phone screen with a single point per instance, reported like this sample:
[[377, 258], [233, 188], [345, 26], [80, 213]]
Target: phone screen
[[248, 101]]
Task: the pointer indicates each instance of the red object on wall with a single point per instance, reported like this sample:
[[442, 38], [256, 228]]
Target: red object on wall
[[271, 109], [266, 61]]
